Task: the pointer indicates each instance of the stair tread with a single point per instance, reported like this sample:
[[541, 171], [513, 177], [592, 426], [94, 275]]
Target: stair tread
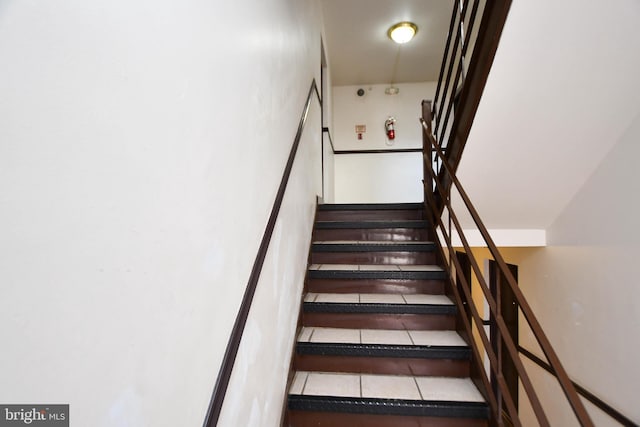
[[390, 329], [369, 206], [372, 242], [376, 272], [429, 338], [376, 267], [425, 299], [373, 223], [329, 308], [372, 246], [393, 304], [378, 386]]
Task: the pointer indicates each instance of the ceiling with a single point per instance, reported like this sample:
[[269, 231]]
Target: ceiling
[[360, 52]]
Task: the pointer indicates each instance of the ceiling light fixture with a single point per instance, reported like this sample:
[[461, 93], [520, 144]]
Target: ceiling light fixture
[[402, 32]]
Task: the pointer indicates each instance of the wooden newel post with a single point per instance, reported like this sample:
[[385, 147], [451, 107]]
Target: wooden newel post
[[427, 159]]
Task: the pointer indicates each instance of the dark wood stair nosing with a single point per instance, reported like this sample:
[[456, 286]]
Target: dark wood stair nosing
[[383, 286], [373, 247], [369, 206], [405, 223], [379, 406], [379, 308], [384, 350], [377, 274]]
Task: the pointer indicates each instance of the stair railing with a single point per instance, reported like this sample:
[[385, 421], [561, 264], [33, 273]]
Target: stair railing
[[474, 33], [468, 56], [448, 226]]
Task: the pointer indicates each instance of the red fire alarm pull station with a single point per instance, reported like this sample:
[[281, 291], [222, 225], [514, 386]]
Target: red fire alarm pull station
[[360, 130]]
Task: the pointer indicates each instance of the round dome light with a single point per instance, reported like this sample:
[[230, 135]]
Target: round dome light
[[402, 32]]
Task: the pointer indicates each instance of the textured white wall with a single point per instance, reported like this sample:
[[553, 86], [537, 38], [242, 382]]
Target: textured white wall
[[141, 147]]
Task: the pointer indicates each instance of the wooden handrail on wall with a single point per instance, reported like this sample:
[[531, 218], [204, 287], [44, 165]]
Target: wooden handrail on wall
[[224, 374]]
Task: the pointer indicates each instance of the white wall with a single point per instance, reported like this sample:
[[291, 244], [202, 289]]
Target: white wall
[[587, 290], [378, 177], [329, 171], [327, 122], [140, 153], [583, 289], [562, 89], [372, 110], [257, 389]]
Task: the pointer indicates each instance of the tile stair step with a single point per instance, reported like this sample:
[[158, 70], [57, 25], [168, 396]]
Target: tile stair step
[[369, 206], [378, 308], [378, 285], [370, 215], [414, 387], [337, 272], [322, 335], [414, 408], [373, 252], [410, 223], [373, 270], [370, 230], [372, 246], [379, 311], [427, 299], [380, 321], [407, 395], [384, 350], [374, 267]]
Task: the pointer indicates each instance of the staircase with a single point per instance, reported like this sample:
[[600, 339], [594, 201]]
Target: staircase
[[378, 345]]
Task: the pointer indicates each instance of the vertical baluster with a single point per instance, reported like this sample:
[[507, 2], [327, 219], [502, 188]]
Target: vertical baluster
[[436, 110], [458, 19]]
